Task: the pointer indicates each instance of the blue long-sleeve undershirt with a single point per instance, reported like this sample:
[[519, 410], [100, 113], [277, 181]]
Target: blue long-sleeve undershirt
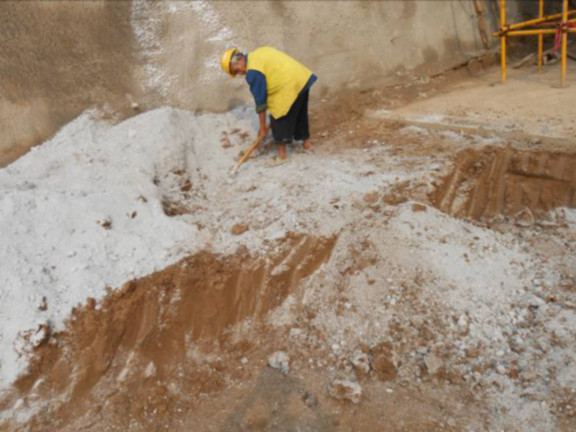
[[259, 89]]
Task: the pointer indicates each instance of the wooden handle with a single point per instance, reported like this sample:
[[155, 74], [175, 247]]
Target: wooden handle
[[253, 147]]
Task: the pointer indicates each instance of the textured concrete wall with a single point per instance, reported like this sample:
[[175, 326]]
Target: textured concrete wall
[[349, 44], [58, 58]]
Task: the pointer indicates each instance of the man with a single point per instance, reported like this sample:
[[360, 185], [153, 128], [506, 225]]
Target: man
[[280, 85]]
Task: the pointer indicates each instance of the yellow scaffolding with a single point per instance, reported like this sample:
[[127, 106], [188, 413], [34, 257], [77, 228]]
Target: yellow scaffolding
[[564, 26]]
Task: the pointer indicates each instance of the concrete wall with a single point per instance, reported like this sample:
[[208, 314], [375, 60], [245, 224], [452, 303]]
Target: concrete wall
[[58, 58], [349, 44]]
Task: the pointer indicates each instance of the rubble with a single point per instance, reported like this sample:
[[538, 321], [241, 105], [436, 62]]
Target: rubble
[[433, 363], [343, 389], [361, 362], [382, 362], [280, 361], [369, 271]]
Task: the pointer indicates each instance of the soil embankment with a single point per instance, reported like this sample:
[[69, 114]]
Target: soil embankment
[[153, 330], [491, 182]]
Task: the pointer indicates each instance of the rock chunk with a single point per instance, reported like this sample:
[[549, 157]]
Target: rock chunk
[[280, 361], [343, 389], [433, 363], [239, 229], [382, 363], [361, 362]]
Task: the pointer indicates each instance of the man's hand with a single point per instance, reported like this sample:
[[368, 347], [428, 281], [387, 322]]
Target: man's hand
[[263, 129], [262, 132]]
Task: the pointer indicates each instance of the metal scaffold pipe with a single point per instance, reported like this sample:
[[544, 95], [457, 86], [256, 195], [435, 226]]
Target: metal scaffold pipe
[[540, 39], [563, 28], [537, 32], [503, 38], [529, 23], [564, 43]]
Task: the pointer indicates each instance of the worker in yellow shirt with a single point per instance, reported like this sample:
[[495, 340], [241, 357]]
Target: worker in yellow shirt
[[280, 85]]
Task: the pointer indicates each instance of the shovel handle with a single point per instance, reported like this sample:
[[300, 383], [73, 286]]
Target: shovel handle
[[253, 147]]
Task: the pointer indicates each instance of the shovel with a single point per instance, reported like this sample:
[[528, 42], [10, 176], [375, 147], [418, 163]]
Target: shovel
[[246, 155]]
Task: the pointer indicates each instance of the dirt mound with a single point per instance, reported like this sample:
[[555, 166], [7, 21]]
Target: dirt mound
[[167, 327], [494, 181]]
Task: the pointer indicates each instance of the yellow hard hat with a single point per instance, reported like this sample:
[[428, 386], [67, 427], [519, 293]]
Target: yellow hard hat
[[225, 61]]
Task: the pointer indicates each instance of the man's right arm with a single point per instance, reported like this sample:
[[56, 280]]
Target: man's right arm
[[262, 131], [258, 87]]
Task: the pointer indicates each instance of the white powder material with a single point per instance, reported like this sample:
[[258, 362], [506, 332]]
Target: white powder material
[[431, 118], [484, 289], [280, 361], [82, 212]]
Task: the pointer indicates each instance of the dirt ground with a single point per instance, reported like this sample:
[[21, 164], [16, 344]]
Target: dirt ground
[[529, 103], [425, 281]]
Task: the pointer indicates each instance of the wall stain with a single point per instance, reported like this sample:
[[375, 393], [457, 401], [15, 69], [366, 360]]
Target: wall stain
[[430, 55], [409, 9], [278, 6]]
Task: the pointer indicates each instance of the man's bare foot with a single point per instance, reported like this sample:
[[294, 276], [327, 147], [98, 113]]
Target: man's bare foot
[[282, 151], [307, 145]]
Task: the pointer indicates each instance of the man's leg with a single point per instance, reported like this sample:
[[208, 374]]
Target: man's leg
[[282, 151], [282, 133], [302, 125], [283, 129]]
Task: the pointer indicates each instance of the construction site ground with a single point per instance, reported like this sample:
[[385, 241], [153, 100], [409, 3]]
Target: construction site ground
[[417, 272]]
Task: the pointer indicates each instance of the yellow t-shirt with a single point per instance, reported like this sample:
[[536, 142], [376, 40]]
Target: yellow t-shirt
[[285, 78]]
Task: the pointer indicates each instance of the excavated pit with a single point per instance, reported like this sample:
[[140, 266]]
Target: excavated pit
[[492, 182], [176, 326]]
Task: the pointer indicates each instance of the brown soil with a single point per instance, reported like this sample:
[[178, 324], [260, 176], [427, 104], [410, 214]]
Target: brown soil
[[109, 361], [494, 181], [239, 229], [341, 122]]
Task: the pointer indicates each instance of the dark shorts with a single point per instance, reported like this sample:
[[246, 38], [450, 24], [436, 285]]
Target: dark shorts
[[294, 125]]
